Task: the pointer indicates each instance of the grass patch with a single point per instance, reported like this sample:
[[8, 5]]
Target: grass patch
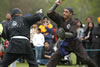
[[26, 65]]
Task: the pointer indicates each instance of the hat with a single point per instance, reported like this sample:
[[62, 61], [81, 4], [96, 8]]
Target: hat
[[16, 11], [45, 17], [71, 10]]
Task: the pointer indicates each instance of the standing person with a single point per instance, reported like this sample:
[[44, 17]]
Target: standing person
[[33, 31], [18, 32], [80, 31], [96, 43], [38, 42], [88, 20], [47, 30], [70, 43], [8, 18], [88, 35], [4, 23]]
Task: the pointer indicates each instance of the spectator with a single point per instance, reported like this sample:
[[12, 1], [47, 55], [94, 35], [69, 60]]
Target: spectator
[[88, 20], [55, 34], [33, 31], [8, 18], [80, 31], [96, 43], [38, 41], [46, 53], [47, 30], [5, 22], [6, 43], [88, 35], [39, 23]]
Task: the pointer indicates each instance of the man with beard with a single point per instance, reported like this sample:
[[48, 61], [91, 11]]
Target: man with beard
[[67, 32]]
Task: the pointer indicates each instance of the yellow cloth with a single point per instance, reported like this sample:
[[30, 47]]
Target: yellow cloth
[[1, 29], [50, 26], [43, 28]]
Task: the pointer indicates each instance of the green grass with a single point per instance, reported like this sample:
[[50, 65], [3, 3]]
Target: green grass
[[26, 65], [72, 57]]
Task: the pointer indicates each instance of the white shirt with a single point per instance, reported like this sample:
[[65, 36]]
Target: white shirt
[[38, 40]]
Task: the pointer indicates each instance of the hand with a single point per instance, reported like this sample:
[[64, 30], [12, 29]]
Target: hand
[[39, 11], [49, 57], [58, 2], [53, 36], [86, 38], [49, 22], [80, 38], [45, 25]]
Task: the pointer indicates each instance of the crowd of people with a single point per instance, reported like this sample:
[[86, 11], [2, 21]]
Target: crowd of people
[[44, 33], [71, 36]]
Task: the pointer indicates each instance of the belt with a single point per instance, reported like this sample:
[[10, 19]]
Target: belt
[[19, 37]]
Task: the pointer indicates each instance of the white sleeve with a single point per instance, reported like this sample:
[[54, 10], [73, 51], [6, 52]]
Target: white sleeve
[[43, 39], [34, 40]]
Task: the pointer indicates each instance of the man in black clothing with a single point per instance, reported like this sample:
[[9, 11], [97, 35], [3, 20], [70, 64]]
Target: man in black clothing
[[96, 44], [18, 33], [70, 43], [6, 21]]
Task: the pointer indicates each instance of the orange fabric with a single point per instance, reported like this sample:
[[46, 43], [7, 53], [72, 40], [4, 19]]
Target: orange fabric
[[43, 28], [98, 19]]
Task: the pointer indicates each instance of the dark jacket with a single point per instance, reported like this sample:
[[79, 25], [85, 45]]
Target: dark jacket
[[46, 51], [69, 26], [96, 37], [20, 26]]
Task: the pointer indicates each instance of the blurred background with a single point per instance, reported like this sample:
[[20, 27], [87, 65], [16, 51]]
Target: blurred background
[[82, 8]]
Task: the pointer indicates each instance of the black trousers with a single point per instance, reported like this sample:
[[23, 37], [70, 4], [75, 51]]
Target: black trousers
[[11, 57], [80, 53], [95, 55]]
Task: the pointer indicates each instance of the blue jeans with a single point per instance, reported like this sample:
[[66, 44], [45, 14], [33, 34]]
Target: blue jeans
[[38, 51], [43, 61]]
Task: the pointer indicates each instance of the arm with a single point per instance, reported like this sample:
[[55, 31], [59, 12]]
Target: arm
[[52, 14], [43, 39], [49, 30], [58, 2], [33, 19], [47, 56], [34, 41], [81, 34], [96, 32]]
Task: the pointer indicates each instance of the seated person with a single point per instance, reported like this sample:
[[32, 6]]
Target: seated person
[[46, 53]]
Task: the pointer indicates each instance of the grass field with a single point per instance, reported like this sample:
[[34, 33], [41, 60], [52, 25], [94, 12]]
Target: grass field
[[26, 65], [72, 59]]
